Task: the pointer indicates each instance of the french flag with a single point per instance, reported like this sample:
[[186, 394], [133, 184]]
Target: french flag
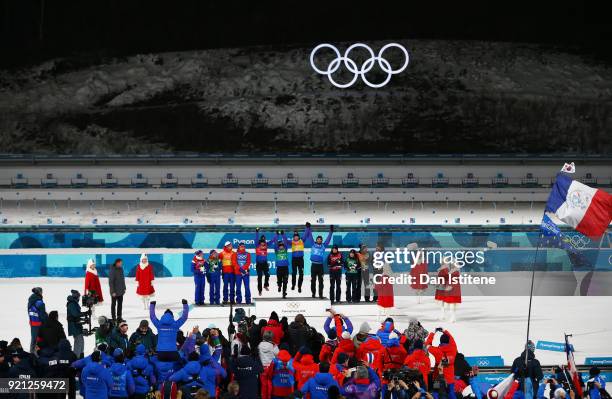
[[571, 366], [586, 209]]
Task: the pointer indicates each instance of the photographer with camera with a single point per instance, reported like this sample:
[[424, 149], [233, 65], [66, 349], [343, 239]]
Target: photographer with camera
[[76, 318], [444, 354], [405, 383]]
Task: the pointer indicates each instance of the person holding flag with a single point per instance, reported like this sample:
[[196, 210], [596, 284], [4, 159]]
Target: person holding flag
[[574, 377]]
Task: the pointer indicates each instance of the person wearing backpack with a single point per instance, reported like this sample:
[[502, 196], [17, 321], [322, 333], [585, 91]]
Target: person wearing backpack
[[122, 381], [280, 377], [188, 378]]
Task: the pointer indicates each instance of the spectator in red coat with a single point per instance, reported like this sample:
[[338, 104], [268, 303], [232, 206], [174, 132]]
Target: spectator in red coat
[[419, 360], [445, 355], [305, 367], [345, 345], [276, 328]]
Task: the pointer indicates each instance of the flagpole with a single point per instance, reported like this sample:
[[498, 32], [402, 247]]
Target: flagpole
[[535, 259]]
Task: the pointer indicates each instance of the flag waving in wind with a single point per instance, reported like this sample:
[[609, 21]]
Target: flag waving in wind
[[571, 367], [586, 209]]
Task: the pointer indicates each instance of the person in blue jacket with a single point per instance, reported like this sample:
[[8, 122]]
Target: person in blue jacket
[[281, 253], [318, 385], [317, 257], [37, 314], [96, 379], [188, 378], [167, 329], [198, 268], [142, 372], [595, 383], [247, 371], [210, 372], [123, 384], [213, 275], [163, 370]]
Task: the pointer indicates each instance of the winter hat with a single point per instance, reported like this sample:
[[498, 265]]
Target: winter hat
[[389, 320], [239, 315], [305, 350], [96, 356], [37, 290], [530, 346], [593, 371], [227, 243], [241, 244], [199, 252], [102, 347], [262, 238], [346, 335], [364, 328], [117, 352], [90, 263], [75, 294], [444, 339], [284, 355], [333, 392], [332, 334], [212, 325], [140, 349], [268, 335], [102, 320], [144, 256], [418, 344], [342, 357], [212, 251]]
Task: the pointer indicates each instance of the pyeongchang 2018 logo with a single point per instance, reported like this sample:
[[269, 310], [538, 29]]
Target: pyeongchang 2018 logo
[[345, 61]]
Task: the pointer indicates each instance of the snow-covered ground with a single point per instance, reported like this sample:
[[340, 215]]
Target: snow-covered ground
[[485, 325]]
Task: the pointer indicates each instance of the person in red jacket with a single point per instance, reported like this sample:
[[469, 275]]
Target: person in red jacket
[[444, 354], [393, 356], [241, 261], [276, 328], [145, 277], [418, 272], [92, 281], [345, 345], [419, 360], [337, 369], [227, 272], [305, 367], [370, 352]]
